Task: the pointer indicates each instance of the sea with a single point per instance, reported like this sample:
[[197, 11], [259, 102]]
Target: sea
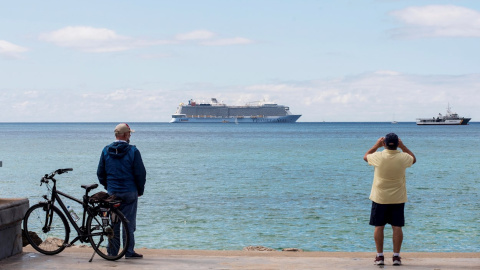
[[228, 186]]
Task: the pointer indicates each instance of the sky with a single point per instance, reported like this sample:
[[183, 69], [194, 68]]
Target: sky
[[333, 61]]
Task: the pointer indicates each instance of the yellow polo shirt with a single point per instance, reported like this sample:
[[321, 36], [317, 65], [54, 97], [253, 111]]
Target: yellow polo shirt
[[389, 184]]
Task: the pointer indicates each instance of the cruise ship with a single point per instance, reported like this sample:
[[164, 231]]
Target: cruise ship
[[448, 119], [215, 112]]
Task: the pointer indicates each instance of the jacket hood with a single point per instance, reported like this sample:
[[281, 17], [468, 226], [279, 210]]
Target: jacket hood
[[118, 149]]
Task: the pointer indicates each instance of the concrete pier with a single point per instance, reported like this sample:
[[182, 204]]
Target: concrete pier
[[12, 212], [77, 258]]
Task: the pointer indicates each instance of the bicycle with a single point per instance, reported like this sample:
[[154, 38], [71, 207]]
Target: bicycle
[[46, 228]]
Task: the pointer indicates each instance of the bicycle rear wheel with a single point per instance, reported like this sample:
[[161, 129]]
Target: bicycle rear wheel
[[108, 233], [46, 231]]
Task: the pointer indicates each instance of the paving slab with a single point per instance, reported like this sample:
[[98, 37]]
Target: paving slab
[[77, 258]]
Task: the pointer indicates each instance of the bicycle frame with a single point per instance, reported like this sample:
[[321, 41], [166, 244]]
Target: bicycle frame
[[103, 225], [81, 233]]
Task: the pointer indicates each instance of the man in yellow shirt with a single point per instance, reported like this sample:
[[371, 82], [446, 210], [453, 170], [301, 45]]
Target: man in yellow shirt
[[389, 192]]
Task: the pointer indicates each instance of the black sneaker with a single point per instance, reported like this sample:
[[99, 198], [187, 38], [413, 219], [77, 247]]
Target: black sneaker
[[379, 260], [134, 256], [397, 260]]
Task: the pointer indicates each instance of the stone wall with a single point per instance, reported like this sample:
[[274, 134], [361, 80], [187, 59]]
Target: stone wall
[[12, 212]]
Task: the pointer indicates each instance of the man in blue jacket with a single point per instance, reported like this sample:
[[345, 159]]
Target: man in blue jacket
[[122, 173]]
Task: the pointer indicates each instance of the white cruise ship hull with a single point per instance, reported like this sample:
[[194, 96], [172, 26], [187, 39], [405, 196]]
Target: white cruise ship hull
[[207, 119], [216, 112]]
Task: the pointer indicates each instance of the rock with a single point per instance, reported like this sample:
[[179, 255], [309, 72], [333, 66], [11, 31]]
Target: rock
[[293, 249], [258, 248], [80, 246], [52, 241], [37, 240]]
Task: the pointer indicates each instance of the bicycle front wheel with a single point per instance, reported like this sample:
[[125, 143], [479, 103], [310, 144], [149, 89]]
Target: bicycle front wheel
[[46, 230], [108, 233]]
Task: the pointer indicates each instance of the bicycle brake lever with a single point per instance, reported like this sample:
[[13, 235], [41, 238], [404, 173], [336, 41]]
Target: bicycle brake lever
[[43, 179]]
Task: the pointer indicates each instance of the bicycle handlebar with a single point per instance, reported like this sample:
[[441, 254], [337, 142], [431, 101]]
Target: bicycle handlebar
[[59, 171]]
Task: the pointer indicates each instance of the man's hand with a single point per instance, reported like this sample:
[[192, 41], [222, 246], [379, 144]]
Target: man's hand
[[378, 144], [400, 144]]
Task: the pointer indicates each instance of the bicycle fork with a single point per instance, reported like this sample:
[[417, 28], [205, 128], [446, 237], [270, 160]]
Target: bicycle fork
[[48, 215]]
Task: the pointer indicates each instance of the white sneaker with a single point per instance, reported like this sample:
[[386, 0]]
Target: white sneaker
[[397, 260], [379, 260]]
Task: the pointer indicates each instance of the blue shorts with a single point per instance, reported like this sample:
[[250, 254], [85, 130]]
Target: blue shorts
[[392, 214]]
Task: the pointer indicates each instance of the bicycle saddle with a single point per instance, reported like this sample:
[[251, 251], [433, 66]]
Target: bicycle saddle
[[90, 187]]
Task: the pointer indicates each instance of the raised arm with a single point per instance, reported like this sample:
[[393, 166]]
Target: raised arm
[[374, 148], [406, 150]]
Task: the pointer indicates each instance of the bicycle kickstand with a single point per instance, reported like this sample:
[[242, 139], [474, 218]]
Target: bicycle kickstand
[[92, 256], [95, 251]]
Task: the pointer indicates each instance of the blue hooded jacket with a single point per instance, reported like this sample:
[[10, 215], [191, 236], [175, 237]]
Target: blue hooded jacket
[[121, 168]]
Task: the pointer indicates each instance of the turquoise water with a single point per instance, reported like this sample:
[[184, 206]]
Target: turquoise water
[[226, 186]]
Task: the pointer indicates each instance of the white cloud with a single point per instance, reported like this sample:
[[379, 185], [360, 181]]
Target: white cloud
[[22, 106], [374, 96], [208, 38], [10, 50], [438, 21], [387, 72], [155, 56], [88, 39], [227, 42], [195, 35], [99, 40]]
